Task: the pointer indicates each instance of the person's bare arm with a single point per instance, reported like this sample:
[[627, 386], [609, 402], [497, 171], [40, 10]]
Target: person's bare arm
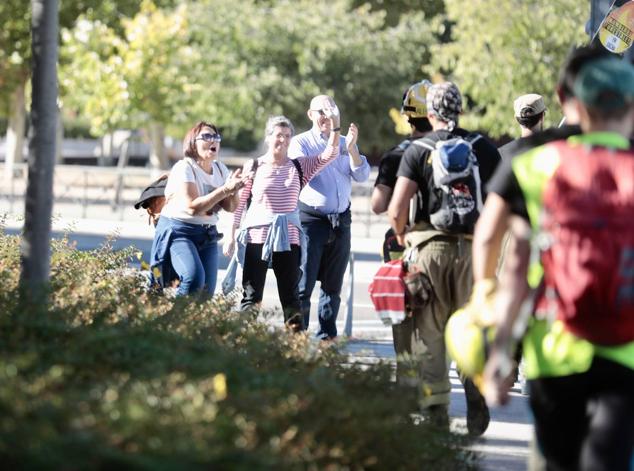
[[196, 204], [512, 291], [230, 203], [380, 199], [351, 145], [398, 209], [487, 237]]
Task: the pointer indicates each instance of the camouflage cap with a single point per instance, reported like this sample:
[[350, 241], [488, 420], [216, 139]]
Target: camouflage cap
[[445, 101]]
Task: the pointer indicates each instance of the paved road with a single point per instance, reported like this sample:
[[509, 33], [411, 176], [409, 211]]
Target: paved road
[[504, 445], [133, 230]]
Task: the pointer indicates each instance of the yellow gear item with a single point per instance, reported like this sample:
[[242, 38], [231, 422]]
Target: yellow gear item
[[481, 301], [470, 330], [414, 100]]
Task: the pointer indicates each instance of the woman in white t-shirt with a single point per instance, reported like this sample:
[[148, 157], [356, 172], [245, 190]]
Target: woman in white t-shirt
[[186, 239]]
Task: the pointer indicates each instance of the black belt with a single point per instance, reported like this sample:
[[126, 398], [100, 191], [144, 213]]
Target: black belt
[[313, 212], [331, 218]]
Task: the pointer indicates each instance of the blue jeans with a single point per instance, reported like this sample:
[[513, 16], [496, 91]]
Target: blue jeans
[[193, 254], [328, 254]]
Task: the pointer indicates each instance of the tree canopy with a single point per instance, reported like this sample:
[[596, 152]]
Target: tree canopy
[[15, 48], [173, 62], [499, 50], [130, 79], [237, 63]]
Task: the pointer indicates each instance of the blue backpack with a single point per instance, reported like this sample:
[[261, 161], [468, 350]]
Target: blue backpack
[[455, 198]]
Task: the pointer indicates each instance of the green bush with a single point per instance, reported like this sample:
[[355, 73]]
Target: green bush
[[111, 376]]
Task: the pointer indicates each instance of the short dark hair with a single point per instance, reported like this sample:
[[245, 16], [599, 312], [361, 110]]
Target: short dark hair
[[530, 121], [421, 124], [577, 58], [189, 143]]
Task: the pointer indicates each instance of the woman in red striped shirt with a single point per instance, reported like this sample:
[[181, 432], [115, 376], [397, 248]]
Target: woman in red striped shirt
[[271, 233]]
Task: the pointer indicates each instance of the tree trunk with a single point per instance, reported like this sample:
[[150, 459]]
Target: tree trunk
[[15, 133], [158, 156], [35, 249]]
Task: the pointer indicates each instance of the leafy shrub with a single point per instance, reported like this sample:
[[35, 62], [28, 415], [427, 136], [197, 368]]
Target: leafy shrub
[[111, 376]]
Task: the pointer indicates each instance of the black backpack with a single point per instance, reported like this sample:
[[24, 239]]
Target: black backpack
[[455, 198]]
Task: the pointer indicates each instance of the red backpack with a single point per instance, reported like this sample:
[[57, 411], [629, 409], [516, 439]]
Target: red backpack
[[397, 292], [387, 292], [589, 260]]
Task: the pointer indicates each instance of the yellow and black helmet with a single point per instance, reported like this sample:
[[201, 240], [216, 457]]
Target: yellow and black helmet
[[414, 105]]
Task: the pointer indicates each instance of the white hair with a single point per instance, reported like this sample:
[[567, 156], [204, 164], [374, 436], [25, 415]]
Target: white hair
[[279, 120]]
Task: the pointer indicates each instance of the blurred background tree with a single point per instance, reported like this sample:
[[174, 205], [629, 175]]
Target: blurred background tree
[[501, 49], [137, 80], [161, 65], [237, 63], [15, 55], [394, 10]]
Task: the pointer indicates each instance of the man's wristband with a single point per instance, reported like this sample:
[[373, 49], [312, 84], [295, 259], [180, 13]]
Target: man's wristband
[[336, 129]]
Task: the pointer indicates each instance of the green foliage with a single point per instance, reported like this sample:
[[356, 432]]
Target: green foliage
[[15, 48], [267, 58], [111, 376], [395, 9], [237, 63], [128, 63], [132, 80], [500, 50], [75, 128], [97, 85], [15, 33]]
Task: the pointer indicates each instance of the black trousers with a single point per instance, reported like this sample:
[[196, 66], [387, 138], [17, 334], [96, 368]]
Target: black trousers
[[586, 421], [286, 266]]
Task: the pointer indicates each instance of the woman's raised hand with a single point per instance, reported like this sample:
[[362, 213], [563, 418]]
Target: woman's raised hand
[[236, 181]]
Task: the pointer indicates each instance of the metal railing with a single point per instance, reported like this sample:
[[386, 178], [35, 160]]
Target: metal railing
[[116, 189]]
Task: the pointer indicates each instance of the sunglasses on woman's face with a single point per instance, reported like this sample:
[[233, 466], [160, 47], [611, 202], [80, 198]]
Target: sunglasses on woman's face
[[208, 137]]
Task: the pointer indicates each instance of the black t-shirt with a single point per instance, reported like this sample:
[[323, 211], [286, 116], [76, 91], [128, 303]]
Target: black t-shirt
[[415, 165], [504, 182], [388, 166], [523, 144]]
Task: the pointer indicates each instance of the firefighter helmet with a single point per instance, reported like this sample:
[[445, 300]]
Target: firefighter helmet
[[414, 100]]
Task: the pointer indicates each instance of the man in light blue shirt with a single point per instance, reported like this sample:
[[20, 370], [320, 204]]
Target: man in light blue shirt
[[325, 214]]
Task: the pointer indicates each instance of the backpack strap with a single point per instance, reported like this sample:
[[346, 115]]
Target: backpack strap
[[254, 169], [219, 169], [404, 144], [473, 137], [300, 172], [425, 143]]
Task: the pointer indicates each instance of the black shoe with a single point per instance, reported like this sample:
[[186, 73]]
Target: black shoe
[[295, 323], [478, 417], [438, 416]]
